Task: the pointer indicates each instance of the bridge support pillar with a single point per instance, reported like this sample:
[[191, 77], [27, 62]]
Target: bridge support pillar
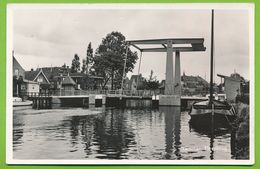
[[169, 100], [177, 80], [169, 80], [172, 93]]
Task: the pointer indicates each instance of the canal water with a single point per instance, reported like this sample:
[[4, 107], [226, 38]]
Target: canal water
[[111, 133]]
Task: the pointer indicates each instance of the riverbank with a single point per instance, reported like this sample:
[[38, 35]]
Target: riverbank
[[241, 131]]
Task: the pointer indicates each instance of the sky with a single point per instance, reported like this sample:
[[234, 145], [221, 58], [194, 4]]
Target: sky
[[46, 37]]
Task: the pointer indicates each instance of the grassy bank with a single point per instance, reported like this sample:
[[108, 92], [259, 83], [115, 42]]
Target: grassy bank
[[241, 131]]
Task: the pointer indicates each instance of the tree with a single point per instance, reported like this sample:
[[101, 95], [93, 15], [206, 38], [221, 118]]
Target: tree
[[64, 65], [152, 83], [109, 58], [89, 58], [83, 69], [75, 65]]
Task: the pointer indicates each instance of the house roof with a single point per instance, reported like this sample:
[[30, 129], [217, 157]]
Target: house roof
[[16, 63], [49, 72], [68, 81], [41, 72], [193, 79], [29, 81], [53, 72], [230, 78], [30, 75]]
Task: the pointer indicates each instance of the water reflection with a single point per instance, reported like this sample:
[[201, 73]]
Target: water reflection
[[107, 133], [212, 133], [172, 131]]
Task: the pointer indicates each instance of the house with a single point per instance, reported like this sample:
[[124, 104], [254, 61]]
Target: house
[[232, 86], [190, 85], [194, 85], [18, 70], [136, 82], [21, 84], [68, 84], [87, 82], [18, 76], [50, 78], [30, 86], [39, 77]]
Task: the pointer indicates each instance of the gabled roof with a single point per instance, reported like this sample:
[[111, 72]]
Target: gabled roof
[[68, 81], [51, 73], [230, 78], [41, 72], [30, 75], [16, 63], [33, 75]]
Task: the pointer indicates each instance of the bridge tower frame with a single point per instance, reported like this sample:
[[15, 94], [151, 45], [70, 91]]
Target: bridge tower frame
[[172, 93]]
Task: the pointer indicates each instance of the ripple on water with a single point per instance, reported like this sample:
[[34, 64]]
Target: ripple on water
[[75, 133]]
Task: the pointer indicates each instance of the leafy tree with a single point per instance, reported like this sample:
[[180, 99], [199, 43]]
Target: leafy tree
[[152, 83], [109, 58], [75, 65]]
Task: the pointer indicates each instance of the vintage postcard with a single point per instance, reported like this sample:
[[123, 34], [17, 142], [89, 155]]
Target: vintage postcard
[[130, 84]]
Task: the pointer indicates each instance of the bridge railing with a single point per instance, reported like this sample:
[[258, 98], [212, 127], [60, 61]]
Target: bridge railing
[[35, 94], [140, 93]]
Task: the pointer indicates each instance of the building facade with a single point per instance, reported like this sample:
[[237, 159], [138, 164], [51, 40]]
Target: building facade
[[232, 86], [21, 84]]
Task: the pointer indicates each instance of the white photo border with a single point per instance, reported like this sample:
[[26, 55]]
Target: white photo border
[[9, 66]]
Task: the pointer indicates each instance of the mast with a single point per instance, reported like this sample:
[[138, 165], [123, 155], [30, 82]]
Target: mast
[[211, 58]]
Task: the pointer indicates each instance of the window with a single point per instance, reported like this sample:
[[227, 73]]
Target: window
[[40, 79], [16, 72]]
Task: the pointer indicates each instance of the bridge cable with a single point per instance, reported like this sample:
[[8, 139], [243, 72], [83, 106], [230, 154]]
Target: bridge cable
[[138, 77]]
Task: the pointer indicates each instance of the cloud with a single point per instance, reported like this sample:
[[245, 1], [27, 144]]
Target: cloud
[[53, 36]]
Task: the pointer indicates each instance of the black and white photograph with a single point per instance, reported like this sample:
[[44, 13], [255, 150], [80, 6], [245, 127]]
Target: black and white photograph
[[130, 84]]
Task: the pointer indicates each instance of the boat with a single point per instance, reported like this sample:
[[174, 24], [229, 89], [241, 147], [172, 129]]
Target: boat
[[218, 113], [218, 96], [18, 102], [214, 112]]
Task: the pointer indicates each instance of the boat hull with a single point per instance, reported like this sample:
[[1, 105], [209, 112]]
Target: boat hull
[[218, 116], [207, 120]]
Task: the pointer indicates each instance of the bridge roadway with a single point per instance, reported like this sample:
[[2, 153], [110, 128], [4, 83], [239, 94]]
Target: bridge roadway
[[126, 94], [99, 98]]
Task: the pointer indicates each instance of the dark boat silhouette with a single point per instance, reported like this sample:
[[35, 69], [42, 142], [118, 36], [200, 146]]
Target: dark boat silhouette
[[212, 112]]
